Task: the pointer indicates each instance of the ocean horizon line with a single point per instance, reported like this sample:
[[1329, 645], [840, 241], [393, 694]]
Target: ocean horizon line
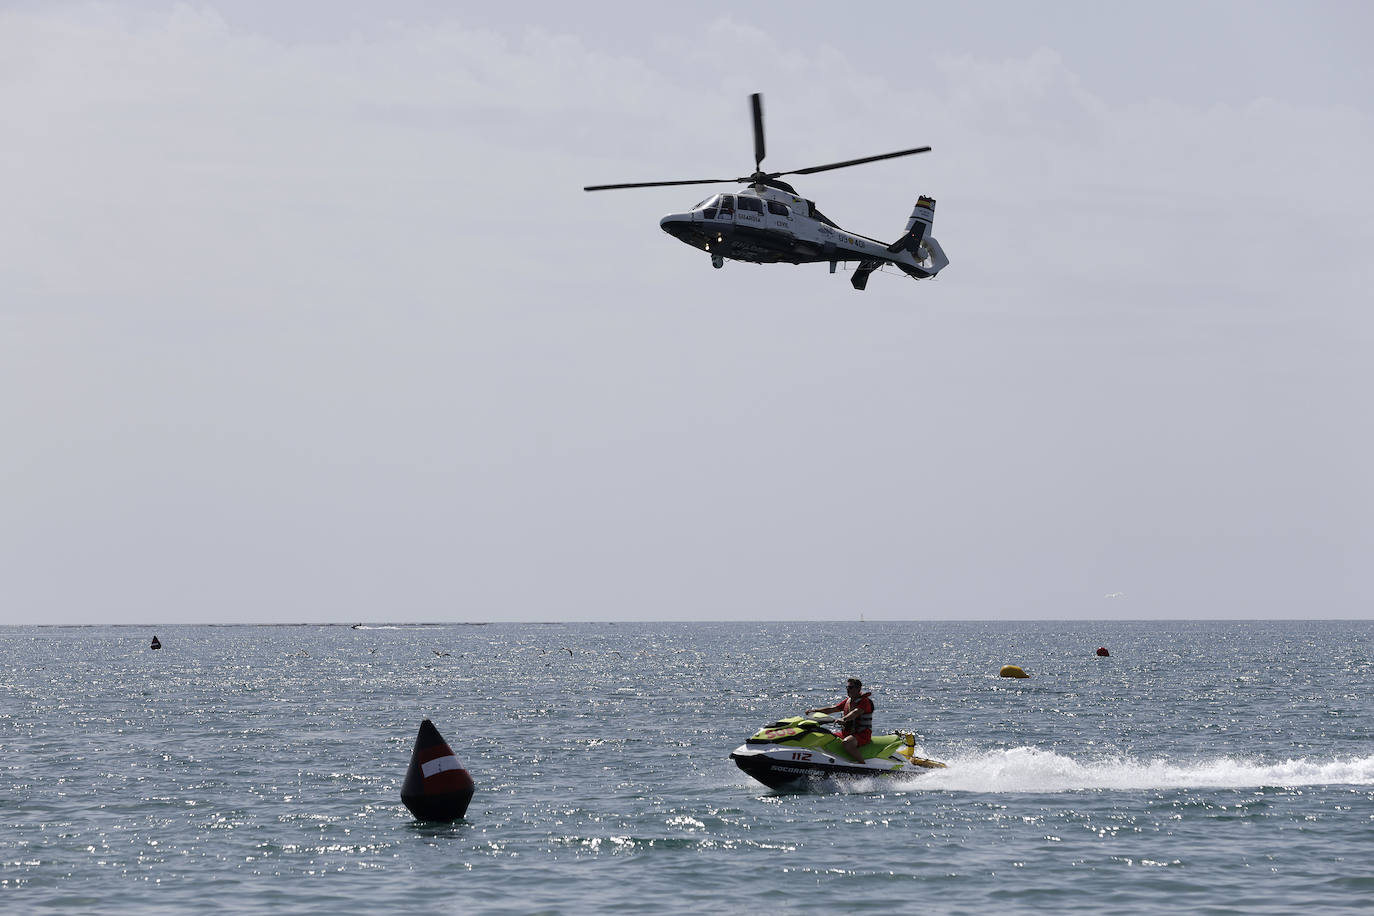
[[653, 620]]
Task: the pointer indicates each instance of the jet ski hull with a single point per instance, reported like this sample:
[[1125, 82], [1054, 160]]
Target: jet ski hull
[[799, 774], [797, 753]]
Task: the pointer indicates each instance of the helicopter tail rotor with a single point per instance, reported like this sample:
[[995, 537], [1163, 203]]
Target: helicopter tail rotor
[[918, 241]]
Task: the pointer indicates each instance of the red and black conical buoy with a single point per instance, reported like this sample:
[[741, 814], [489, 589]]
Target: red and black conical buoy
[[155, 644], [437, 786]]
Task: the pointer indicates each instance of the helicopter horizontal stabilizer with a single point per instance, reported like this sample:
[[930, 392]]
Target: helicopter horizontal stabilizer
[[909, 242]]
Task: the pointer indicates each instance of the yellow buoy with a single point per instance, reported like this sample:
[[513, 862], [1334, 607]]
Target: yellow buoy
[[1011, 671]]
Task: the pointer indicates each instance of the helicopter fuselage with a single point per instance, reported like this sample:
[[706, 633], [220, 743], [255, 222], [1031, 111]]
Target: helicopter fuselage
[[767, 225]]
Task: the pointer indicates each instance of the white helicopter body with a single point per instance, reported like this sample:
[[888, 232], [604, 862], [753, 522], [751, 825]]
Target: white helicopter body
[[767, 225]]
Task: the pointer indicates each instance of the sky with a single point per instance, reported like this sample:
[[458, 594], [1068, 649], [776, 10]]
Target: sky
[[304, 315]]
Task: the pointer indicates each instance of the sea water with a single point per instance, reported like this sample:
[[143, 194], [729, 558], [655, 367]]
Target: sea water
[[1203, 767]]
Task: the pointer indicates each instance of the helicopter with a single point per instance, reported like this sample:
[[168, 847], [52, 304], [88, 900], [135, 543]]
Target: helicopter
[[768, 222]]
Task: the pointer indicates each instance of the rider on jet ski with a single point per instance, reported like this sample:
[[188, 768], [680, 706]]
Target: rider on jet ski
[[856, 721]]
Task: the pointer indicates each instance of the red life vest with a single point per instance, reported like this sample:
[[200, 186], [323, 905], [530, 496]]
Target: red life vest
[[863, 722]]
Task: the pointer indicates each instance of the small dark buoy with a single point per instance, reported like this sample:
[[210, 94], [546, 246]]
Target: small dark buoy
[[1012, 671], [1102, 651], [156, 644], [437, 786]]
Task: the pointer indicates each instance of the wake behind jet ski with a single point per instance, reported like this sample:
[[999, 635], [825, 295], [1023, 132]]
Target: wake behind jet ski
[[798, 752]]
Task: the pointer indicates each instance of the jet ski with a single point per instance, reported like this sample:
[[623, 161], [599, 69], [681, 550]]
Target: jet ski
[[799, 752]]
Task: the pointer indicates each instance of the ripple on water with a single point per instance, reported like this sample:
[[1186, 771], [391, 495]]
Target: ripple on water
[[1230, 767]]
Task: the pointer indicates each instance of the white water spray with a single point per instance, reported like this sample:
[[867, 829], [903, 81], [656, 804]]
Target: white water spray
[[1028, 769]]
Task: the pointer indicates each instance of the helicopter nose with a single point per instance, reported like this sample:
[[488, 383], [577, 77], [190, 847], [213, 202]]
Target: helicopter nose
[[678, 225]]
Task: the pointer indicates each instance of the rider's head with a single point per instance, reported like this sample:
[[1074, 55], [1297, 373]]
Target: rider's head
[[854, 685]]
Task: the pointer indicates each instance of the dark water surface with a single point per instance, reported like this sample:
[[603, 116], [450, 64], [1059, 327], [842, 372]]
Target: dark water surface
[[1208, 767]]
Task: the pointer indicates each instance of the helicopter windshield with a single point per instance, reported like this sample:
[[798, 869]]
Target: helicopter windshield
[[720, 206]]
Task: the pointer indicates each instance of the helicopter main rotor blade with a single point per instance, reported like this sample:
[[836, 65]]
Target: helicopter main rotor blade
[[661, 184], [756, 101], [848, 162]]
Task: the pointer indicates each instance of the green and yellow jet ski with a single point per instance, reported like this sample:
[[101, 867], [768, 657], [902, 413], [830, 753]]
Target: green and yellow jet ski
[[797, 752]]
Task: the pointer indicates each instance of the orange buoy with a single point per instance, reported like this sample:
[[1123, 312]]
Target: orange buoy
[[437, 786], [1102, 651], [1011, 671]]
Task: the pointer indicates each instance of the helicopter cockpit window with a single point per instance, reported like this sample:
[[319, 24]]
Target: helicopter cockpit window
[[776, 208], [752, 204], [708, 202]]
